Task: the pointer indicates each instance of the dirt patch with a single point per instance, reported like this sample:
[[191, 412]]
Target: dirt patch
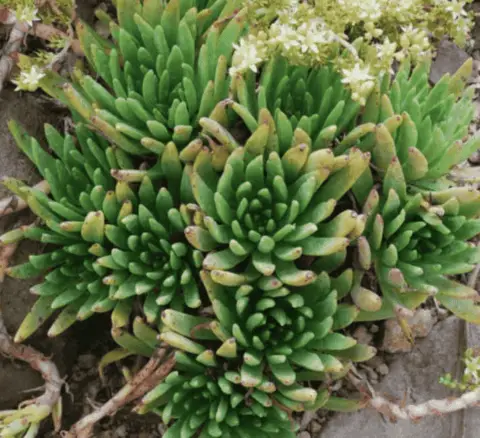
[[14, 297]]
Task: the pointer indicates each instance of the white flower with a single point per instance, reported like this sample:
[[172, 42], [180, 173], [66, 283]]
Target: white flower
[[29, 81], [26, 15], [386, 49], [360, 80], [312, 34], [248, 54], [455, 8], [357, 75], [369, 10], [285, 35]]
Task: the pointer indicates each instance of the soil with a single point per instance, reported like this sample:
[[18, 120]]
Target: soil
[[78, 352]]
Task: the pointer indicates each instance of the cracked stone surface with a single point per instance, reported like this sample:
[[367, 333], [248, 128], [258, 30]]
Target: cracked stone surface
[[416, 374]]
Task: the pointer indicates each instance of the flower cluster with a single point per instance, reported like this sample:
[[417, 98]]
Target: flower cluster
[[26, 14], [29, 11], [360, 81], [373, 34]]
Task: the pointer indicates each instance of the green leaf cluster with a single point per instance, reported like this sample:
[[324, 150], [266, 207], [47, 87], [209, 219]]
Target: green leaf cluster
[[244, 222], [166, 68]]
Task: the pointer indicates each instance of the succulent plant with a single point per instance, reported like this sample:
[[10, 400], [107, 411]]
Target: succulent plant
[[206, 400], [167, 68], [470, 380], [258, 343], [223, 374], [267, 208], [314, 100], [242, 369], [425, 127], [415, 240], [243, 221], [118, 239], [269, 331]]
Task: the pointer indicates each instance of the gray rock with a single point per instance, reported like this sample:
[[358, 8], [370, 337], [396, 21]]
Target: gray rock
[[449, 59], [395, 341], [375, 362], [307, 417], [315, 427], [371, 374], [362, 335], [416, 375], [120, 432], [383, 369]]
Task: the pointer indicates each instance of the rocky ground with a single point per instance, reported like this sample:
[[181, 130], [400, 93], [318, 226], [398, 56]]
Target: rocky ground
[[399, 372]]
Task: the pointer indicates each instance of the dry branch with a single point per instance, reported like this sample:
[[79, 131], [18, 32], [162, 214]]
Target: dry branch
[[14, 204], [12, 46], [431, 407], [402, 411], [32, 411], [6, 251], [48, 33], [156, 369]]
